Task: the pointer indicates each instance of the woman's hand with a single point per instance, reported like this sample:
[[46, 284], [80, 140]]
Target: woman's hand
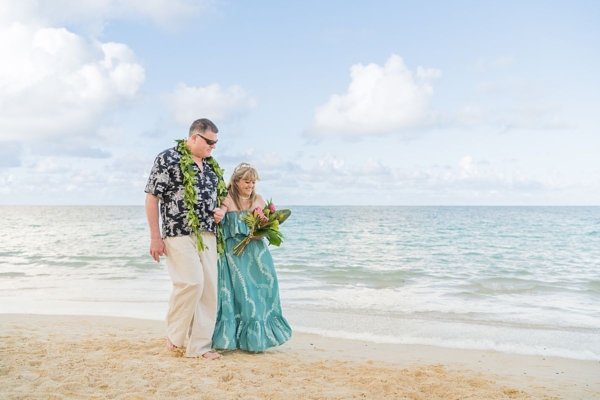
[[218, 214]]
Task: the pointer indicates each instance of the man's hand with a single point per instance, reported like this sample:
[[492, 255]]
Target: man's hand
[[219, 214], [157, 248]]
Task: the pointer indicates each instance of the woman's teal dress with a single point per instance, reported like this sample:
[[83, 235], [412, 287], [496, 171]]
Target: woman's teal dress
[[248, 312]]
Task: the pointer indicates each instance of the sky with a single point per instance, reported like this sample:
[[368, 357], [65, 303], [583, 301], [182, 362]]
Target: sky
[[334, 102]]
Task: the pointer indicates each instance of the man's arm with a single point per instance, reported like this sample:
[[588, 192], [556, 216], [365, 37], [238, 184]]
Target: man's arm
[[219, 213], [157, 245]]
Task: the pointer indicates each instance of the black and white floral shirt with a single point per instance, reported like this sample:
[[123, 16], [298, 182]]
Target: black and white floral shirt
[[166, 183]]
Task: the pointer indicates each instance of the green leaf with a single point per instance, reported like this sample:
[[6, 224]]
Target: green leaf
[[282, 215], [275, 237]]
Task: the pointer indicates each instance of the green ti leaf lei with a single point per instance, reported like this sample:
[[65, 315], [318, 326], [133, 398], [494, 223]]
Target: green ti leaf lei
[[186, 163]]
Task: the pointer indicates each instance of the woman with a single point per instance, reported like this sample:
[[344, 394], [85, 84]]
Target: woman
[[248, 312]]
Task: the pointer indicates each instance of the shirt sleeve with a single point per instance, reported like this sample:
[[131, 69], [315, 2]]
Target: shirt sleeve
[[159, 179]]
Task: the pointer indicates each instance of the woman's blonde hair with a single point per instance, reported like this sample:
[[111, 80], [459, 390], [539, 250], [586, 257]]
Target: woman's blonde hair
[[243, 171]]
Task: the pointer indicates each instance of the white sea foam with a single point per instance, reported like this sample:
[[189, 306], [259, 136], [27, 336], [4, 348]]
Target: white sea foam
[[462, 335]]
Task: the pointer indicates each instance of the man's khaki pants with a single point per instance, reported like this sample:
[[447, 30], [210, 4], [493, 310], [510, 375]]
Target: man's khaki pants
[[193, 302]]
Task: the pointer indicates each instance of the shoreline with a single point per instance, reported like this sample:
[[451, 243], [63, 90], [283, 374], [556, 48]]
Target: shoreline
[[340, 325], [107, 357]]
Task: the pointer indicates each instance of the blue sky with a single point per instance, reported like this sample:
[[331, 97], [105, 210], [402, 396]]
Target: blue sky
[[334, 102]]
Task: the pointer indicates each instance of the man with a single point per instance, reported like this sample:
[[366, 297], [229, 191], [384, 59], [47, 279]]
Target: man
[[193, 302]]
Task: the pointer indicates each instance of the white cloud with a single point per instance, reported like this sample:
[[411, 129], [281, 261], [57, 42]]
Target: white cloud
[[502, 62], [271, 166], [74, 147], [513, 104], [538, 116], [131, 164], [379, 100], [330, 165], [467, 179], [93, 14], [6, 181], [51, 165], [467, 168], [10, 154], [528, 115], [247, 155], [212, 102], [471, 116], [512, 87], [371, 168], [55, 180], [482, 179], [428, 73], [59, 84]]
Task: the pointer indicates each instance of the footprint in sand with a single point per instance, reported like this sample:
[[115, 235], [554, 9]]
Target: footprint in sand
[[227, 377]]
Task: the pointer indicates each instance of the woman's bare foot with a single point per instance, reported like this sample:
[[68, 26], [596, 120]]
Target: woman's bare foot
[[170, 345], [211, 355]]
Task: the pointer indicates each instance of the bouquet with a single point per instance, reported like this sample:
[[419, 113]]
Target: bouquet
[[264, 223]]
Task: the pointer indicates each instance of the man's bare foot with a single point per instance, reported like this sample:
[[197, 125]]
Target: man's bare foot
[[170, 345], [211, 355]]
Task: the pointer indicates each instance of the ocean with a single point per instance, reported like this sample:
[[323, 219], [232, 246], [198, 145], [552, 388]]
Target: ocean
[[522, 280]]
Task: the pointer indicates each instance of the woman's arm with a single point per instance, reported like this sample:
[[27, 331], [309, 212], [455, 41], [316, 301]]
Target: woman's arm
[[260, 201], [219, 213], [226, 204]]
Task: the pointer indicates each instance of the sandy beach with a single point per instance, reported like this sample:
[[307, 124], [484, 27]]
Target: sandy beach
[[77, 357]]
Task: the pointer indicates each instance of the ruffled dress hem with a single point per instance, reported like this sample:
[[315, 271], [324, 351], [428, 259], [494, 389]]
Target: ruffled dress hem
[[253, 335]]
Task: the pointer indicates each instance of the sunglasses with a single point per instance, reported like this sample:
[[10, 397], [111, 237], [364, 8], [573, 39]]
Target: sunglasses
[[208, 141]]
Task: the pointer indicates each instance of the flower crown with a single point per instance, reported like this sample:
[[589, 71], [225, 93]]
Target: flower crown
[[243, 166]]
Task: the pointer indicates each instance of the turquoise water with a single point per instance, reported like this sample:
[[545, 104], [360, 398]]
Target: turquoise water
[[515, 279]]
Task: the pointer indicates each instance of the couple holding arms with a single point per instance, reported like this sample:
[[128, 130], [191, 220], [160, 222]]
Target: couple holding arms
[[218, 301]]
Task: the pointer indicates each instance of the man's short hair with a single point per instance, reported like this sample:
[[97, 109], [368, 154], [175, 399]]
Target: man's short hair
[[202, 125]]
